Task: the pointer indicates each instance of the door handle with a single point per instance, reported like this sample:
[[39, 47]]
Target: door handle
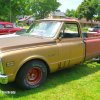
[[80, 42]]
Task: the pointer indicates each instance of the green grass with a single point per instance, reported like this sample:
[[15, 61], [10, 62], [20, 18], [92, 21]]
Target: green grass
[[81, 82], [24, 26], [85, 29]]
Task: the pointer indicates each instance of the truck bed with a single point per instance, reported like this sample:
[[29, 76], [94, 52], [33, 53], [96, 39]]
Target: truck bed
[[92, 47], [92, 34]]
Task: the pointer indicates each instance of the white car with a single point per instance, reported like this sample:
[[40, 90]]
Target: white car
[[94, 29]]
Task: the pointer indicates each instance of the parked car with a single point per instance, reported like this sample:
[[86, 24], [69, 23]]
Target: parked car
[[7, 28], [94, 29]]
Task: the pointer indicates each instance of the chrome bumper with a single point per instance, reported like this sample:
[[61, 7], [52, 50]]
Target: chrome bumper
[[3, 79]]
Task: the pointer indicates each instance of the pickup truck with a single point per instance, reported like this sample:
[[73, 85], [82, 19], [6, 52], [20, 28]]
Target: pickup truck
[[47, 46]]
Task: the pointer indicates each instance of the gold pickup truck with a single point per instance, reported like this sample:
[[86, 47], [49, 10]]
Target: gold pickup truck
[[47, 46]]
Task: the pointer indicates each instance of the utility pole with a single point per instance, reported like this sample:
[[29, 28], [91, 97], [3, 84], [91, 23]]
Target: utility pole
[[10, 11]]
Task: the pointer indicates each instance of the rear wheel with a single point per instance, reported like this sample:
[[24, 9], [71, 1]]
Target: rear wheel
[[33, 74]]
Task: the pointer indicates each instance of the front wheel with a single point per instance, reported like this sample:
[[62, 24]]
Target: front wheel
[[33, 74]]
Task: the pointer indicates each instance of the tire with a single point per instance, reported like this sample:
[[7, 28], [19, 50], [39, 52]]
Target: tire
[[33, 74]]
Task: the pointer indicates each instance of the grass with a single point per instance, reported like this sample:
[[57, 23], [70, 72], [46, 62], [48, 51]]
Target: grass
[[24, 26], [81, 82], [85, 29]]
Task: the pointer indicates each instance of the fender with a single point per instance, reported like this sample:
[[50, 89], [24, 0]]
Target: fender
[[28, 59]]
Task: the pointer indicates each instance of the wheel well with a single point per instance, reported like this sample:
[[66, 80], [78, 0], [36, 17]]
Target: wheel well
[[47, 66], [48, 69]]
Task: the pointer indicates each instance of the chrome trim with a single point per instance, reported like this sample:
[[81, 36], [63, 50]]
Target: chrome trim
[[3, 79], [1, 67]]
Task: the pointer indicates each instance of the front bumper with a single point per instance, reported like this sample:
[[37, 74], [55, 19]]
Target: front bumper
[[3, 79]]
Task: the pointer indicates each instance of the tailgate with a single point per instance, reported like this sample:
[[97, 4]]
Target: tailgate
[[92, 47]]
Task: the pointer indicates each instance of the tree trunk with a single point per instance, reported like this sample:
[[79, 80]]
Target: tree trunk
[[91, 23], [41, 14]]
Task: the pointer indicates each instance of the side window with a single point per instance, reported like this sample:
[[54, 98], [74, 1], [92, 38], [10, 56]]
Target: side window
[[1, 26], [8, 26], [70, 30]]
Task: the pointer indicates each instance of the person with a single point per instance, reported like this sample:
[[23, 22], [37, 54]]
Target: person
[[98, 31]]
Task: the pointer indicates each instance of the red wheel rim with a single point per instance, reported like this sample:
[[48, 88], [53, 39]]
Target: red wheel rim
[[33, 76]]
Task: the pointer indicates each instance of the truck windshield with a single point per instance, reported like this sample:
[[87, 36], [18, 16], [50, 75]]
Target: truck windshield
[[44, 29]]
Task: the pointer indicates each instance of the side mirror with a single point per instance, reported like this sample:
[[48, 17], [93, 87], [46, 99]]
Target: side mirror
[[60, 37]]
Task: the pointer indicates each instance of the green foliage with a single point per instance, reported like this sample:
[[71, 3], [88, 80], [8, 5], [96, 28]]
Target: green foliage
[[87, 9], [4, 9], [98, 10], [18, 7], [85, 29], [95, 4], [97, 18], [71, 13], [41, 8]]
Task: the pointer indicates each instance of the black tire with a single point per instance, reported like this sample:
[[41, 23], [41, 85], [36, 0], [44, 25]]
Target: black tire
[[33, 74]]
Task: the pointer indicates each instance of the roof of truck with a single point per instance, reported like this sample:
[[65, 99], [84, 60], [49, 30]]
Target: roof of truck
[[62, 19]]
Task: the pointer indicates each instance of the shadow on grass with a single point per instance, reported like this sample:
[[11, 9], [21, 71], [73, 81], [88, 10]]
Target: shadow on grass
[[54, 79]]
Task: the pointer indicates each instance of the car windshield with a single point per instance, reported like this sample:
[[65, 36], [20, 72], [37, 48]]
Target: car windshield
[[44, 28]]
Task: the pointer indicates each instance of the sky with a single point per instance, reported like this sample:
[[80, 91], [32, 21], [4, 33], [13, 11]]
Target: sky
[[69, 4]]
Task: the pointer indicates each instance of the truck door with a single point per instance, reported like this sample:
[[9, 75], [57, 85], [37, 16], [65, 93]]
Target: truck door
[[71, 47]]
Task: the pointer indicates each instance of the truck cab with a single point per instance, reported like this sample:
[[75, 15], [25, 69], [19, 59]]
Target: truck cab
[[71, 44]]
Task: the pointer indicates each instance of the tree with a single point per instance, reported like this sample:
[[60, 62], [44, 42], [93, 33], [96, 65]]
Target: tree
[[17, 7], [95, 4], [41, 8], [4, 9], [87, 9], [71, 13], [97, 18]]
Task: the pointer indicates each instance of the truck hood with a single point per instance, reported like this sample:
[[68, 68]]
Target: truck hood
[[8, 42]]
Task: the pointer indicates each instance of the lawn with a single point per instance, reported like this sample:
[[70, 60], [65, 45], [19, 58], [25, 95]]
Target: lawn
[[81, 82], [85, 29]]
